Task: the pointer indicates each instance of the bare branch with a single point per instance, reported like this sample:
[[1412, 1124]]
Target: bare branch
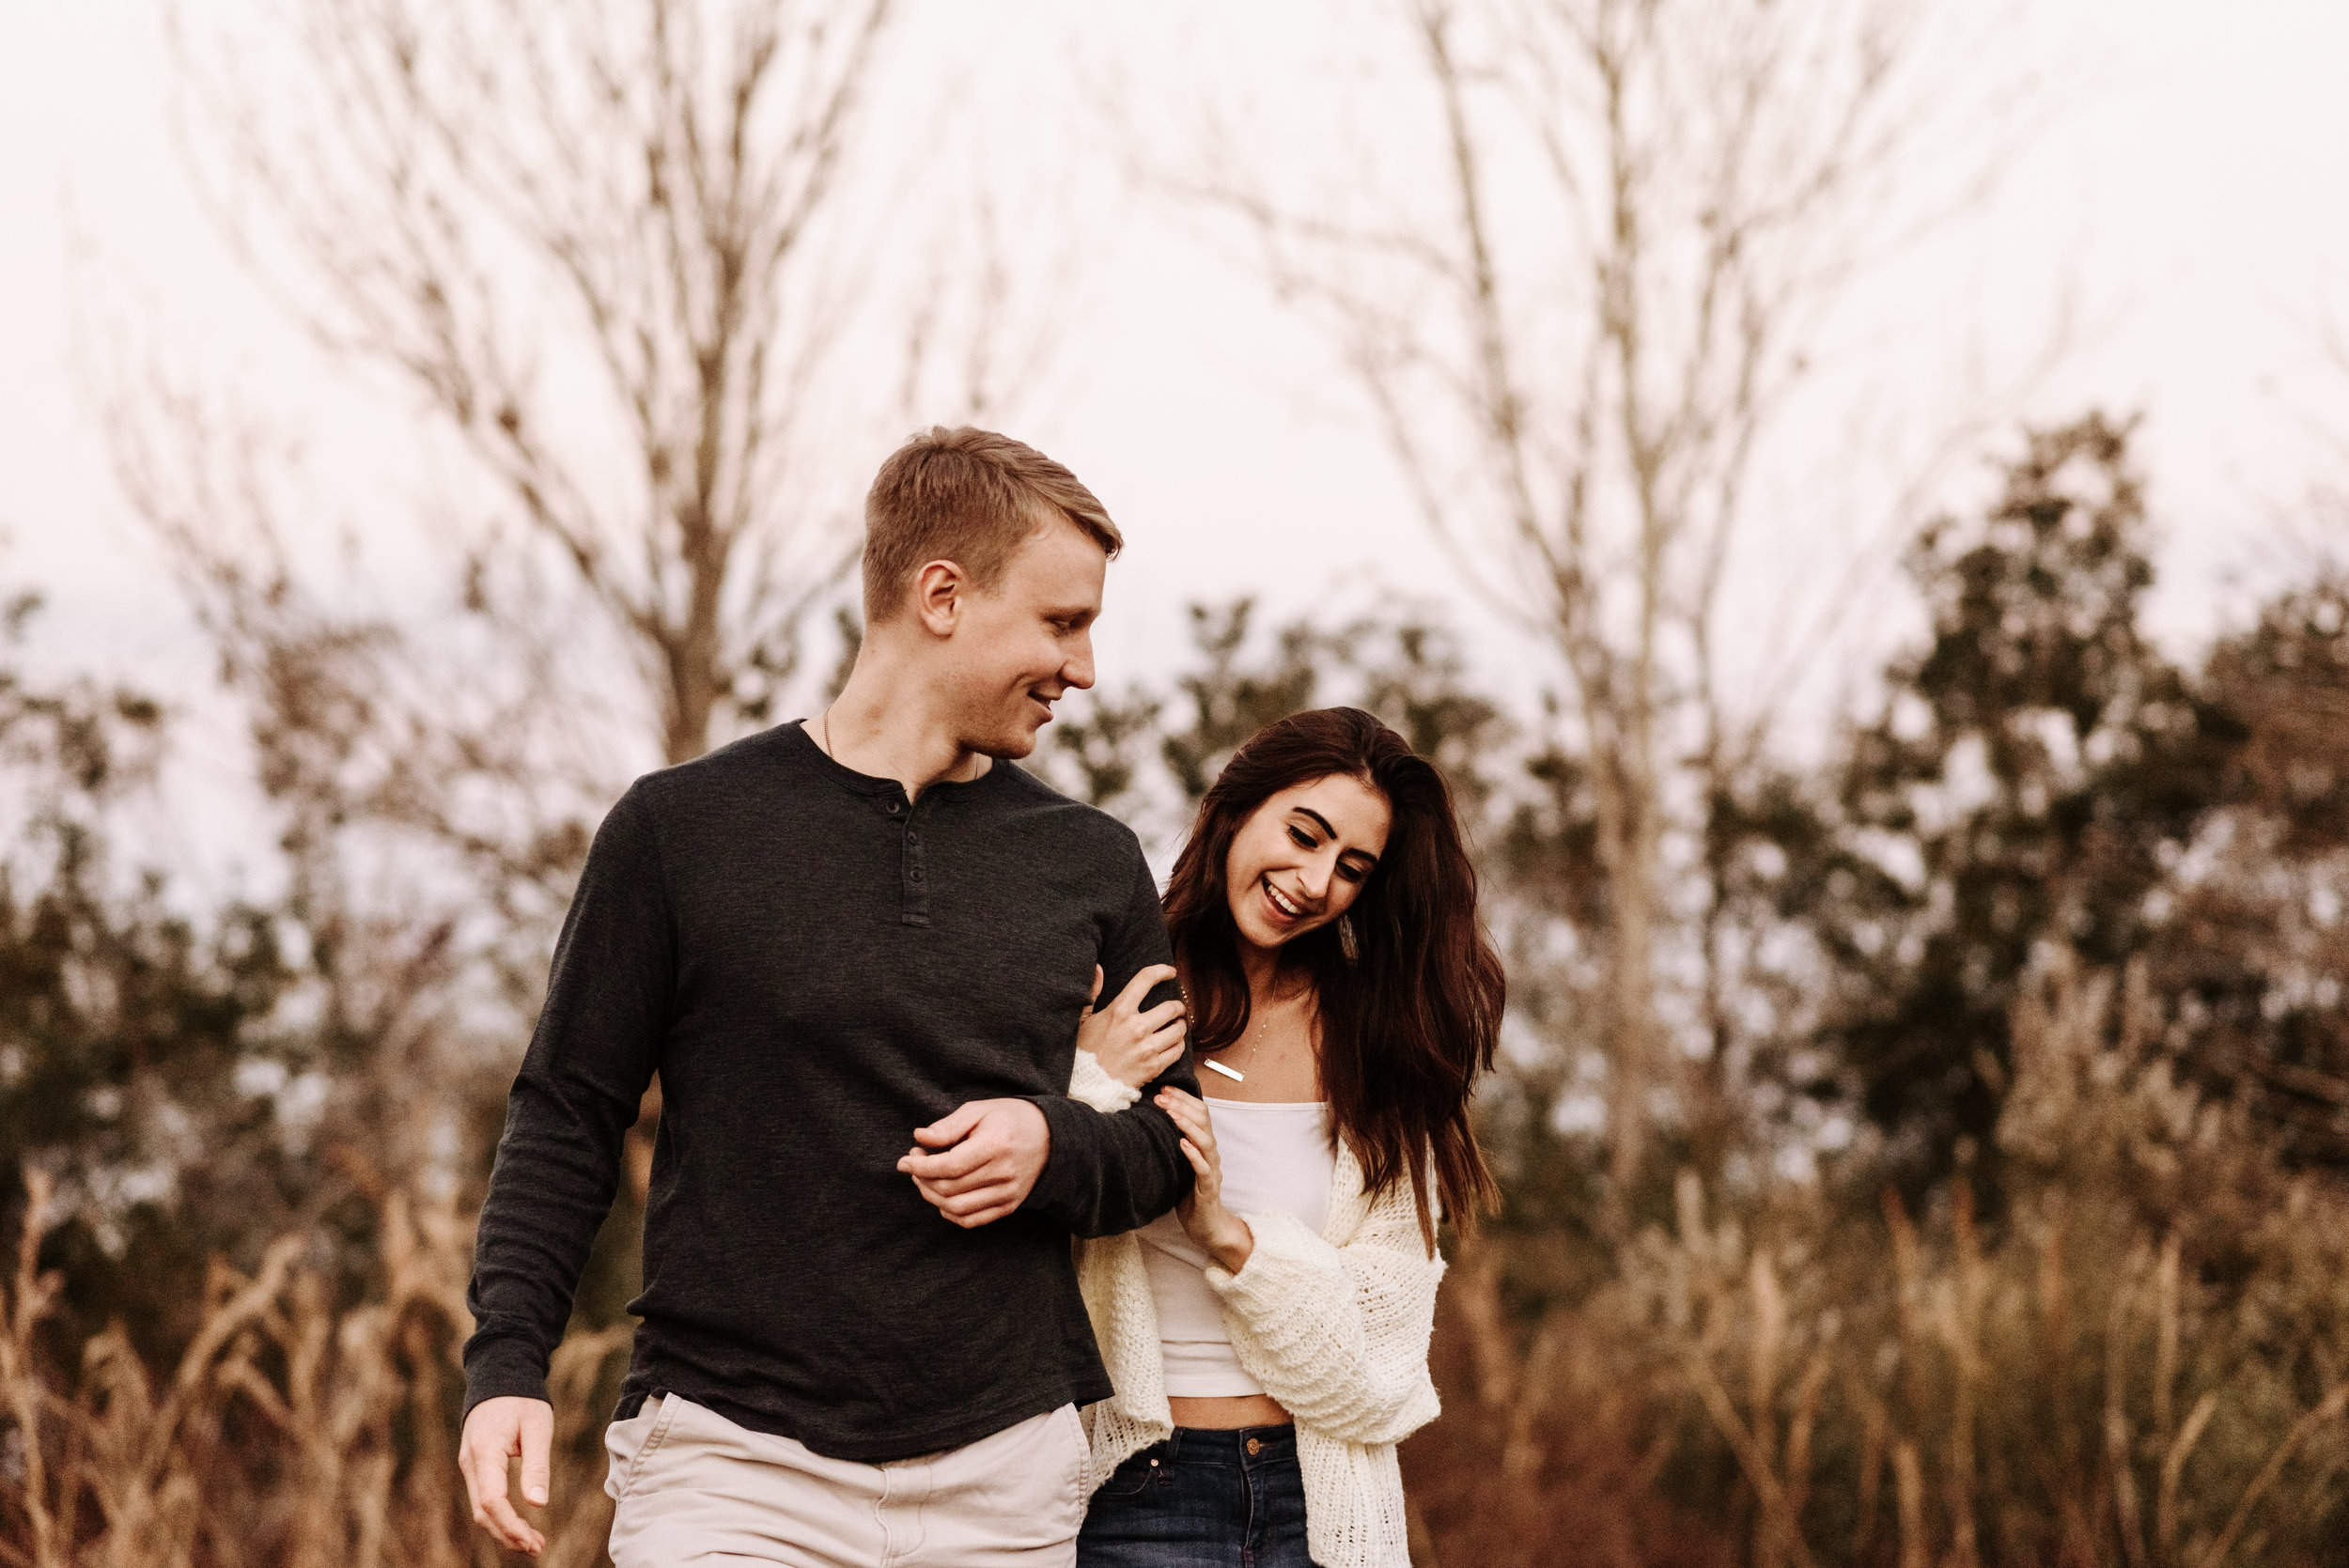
[[1578, 384]]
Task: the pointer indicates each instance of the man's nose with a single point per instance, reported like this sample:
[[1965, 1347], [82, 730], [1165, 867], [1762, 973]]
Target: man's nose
[[1077, 669]]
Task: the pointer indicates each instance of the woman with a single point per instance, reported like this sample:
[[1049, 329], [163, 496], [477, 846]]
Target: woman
[[1269, 1339]]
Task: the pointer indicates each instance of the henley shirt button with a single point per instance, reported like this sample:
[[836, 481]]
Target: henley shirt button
[[893, 808]]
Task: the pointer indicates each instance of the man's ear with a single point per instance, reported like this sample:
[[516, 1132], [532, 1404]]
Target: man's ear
[[937, 591]]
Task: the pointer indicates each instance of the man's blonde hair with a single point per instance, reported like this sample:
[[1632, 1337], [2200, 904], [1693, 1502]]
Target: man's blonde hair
[[968, 496]]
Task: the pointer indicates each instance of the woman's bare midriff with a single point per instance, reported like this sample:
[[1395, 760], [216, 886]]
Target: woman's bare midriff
[[1228, 1414]]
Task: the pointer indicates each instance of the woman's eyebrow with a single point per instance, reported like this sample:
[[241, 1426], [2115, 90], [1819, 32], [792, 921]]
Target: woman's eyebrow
[[1331, 833]]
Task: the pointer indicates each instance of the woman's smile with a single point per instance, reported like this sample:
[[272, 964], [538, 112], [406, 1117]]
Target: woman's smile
[[1283, 911]]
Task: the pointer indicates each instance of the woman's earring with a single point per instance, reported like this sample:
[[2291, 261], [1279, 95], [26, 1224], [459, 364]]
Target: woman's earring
[[1347, 945]]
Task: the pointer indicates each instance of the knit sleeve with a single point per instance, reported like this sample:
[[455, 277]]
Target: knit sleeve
[[1339, 1335], [1110, 1174], [1091, 1083], [597, 1042]]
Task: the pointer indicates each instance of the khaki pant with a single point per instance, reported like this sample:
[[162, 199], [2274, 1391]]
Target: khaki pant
[[692, 1488]]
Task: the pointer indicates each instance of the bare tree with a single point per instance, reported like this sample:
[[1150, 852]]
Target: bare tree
[[641, 263], [1621, 228], [652, 274], [598, 242]]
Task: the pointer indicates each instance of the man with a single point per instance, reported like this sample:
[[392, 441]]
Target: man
[[856, 950]]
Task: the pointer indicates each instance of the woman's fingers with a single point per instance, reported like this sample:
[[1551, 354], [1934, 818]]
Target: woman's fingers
[[1181, 1105], [1189, 1117], [1129, 1000], [1094, 999], [1203, 1168]]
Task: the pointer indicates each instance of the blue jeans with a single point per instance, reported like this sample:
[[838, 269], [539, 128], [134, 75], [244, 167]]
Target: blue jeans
[[1202, 1499]]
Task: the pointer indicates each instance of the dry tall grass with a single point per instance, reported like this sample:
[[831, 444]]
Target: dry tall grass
[[2143, 1364], [290, 1433]]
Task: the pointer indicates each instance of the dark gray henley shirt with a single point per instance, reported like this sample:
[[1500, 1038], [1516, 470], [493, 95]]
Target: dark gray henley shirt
[[816, 968]]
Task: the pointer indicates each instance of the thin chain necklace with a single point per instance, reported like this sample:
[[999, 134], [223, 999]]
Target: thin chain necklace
[[1235, 1074], [1255, 1027]]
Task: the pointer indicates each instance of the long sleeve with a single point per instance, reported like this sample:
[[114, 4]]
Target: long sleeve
[[1110, 1174], [1339, 1335], [594, 1048]]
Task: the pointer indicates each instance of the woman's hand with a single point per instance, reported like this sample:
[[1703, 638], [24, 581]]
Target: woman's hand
[[1221, 1234], [1134, 1047]]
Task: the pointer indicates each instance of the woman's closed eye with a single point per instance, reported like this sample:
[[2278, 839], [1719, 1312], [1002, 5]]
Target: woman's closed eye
[[1354, 870]]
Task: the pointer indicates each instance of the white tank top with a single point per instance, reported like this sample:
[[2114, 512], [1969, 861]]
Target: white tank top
[[1274, 1157]]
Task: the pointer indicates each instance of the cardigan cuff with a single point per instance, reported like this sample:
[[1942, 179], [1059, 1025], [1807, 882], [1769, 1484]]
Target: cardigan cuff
[[1280, 1237], [1091, 1083]]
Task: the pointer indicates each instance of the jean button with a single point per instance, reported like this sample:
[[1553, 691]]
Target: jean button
[[1255, 1446]]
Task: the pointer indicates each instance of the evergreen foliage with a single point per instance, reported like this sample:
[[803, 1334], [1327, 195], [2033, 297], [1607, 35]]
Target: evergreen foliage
[[1996, 1210]]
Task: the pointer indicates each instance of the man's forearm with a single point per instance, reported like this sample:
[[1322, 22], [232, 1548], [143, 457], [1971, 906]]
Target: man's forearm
[[558, 1166], [582, 1080], [1107, 1174]]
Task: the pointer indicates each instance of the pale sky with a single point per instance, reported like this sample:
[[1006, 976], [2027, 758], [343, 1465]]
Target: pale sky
[[2190, 193]]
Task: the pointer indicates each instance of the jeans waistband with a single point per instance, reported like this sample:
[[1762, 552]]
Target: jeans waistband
[[1240, 1445]]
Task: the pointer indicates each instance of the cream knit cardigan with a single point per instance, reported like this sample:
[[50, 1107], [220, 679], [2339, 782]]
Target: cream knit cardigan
[[1334, 1325]]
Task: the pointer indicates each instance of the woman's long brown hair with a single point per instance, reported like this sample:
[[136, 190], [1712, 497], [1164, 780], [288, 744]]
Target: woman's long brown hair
[[1407, 1026]]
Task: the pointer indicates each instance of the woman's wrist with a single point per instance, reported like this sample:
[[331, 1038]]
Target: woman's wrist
[[1229, 1241]]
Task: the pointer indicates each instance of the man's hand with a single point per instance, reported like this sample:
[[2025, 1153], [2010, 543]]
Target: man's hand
[[980, 1163], [496, 1432]]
